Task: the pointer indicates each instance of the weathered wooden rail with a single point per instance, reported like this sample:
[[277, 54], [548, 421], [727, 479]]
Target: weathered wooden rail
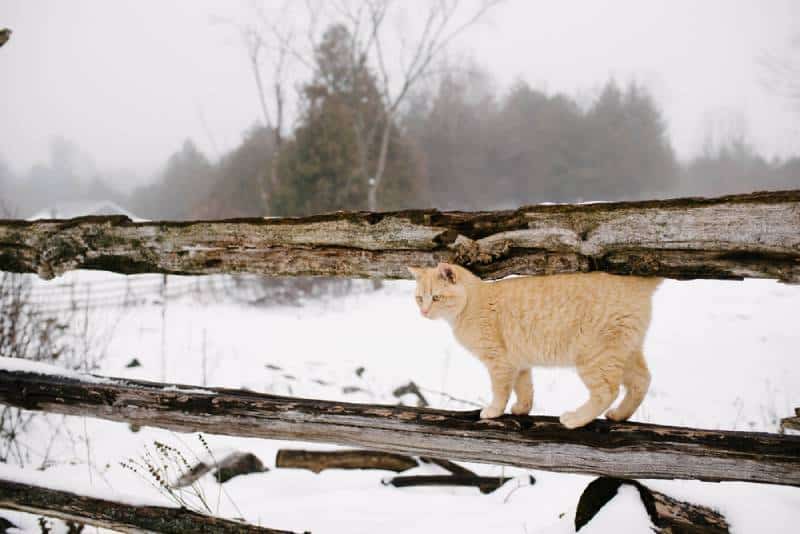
[[629, 450], [733, 237], [120, 517], [755, 235]]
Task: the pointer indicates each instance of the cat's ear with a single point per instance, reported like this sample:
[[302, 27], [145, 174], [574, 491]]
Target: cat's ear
[[415, 271], [446, 272]]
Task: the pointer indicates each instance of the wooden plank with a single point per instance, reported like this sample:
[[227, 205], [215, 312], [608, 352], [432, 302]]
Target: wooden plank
[[733, 237], [318, 461], [117, 516], [626, 450]]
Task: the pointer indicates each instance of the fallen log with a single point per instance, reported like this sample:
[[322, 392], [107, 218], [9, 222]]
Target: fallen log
[[484, 484], [754, 235], [232, 465], [116, 516], [318, 461], [667, 514], [626, 450], [453, 467]]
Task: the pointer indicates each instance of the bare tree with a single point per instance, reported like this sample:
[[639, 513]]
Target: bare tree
[[367, 21], [268, 42]]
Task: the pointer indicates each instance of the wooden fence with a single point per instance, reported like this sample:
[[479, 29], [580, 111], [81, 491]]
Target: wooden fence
[[755, 235]]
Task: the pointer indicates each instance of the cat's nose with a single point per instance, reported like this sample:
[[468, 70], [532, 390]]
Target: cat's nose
[[425, 311]]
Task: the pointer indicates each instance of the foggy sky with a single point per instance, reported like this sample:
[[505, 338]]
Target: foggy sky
[[129, 81]]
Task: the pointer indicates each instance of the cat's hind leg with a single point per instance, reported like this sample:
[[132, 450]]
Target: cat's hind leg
[[523, 389], [636, 380], [602, 374]]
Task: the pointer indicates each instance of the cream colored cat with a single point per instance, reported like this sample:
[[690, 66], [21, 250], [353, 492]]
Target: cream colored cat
[[595, 322]]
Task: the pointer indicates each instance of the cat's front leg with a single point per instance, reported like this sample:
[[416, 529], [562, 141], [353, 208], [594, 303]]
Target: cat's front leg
[[523, 389], [502, 376]]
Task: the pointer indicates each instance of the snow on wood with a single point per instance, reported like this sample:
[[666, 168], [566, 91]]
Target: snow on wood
[[75, 484], [629, 450], [791, 423], [117, 516], [755, 235], [667, 514]]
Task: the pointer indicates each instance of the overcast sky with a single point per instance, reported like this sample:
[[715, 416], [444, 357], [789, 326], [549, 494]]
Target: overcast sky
[[128, 81]]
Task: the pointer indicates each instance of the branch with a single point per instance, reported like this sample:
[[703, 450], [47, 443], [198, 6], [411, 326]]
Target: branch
[[484, 484], [114, 515], [318, 461], [436, 43], [755, 235], [626, 450]]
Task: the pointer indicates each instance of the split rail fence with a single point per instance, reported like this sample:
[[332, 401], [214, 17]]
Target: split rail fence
[[742, 236]]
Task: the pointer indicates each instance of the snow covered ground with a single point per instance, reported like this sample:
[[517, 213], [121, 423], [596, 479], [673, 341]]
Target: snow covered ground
[[722, 354]]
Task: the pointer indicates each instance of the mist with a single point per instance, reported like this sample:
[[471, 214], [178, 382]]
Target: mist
[[153, 105]]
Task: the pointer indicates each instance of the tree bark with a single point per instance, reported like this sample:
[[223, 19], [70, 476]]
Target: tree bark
[[627, 450], [669, 516], [755, 235], [232, 465], [113, 515], [318, 461]]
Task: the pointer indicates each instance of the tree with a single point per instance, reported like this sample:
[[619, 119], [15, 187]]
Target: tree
[[239, 179], [268, 40], [540, 146], [320, 166], [452, 128], [367, 23], [186, 180], [628, 151], [319, 163], [441, 26]]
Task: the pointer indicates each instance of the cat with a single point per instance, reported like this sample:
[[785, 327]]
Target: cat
[[595, 322]]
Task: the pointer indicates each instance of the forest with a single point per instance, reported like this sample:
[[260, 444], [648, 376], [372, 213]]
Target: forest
[[455, 143]]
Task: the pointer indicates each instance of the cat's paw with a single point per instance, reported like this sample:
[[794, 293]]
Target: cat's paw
[[521, 408], [572, 420], [490, 412], [617, 415]]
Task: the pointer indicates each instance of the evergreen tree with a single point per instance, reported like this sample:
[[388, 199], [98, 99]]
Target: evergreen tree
[[321, 168]]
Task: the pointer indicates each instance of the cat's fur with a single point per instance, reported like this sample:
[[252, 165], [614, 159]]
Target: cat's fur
[[595, 322]]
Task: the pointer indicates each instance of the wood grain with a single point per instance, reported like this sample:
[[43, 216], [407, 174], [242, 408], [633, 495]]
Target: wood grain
[[755, 235], [626, 450]]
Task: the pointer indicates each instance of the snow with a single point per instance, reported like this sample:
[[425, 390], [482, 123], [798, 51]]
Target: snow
[[39, 368], [723, 356], [74, 479], [69, 210]]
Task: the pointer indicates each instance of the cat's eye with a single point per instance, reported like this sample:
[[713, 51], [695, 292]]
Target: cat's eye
[[436, 298], [419, 299]]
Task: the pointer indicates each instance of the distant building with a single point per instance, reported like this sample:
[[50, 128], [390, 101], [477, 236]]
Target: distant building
[[69, 210]]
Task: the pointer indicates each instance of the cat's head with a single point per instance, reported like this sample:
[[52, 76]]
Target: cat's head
[[441, 291]]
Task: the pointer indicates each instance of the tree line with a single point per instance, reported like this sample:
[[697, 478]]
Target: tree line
[[454, 144]]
